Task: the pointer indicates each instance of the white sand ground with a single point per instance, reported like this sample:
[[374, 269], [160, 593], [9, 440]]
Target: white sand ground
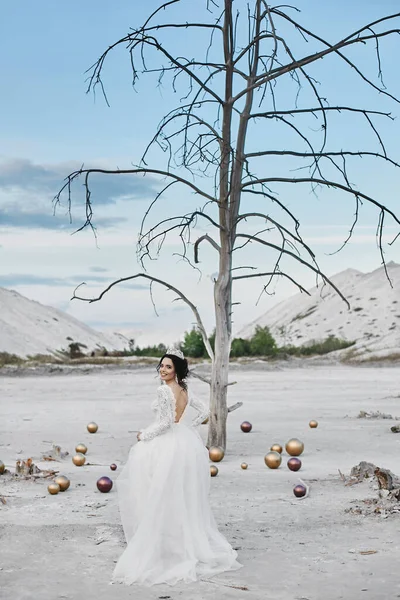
[[65, 546]]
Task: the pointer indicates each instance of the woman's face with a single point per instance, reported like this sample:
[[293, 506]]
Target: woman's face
[[167, 370]]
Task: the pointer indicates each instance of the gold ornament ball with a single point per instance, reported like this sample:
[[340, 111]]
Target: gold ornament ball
[[213, 470], [313, 424], [81, 449], [2, 467], [79, 460], [92, 427], [216, 453], [53, 488], [244, 466], [273, 460], [294, 447], [276, 448], [63, 482]]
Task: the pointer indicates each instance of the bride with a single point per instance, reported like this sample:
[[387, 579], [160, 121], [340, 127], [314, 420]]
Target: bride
[[163, 491]]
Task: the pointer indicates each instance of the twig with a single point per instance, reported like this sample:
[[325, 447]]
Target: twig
[[234, 406], [230, 585]]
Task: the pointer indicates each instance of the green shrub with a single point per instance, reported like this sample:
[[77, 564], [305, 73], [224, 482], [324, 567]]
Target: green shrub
[[193, 344], [262, 343], [43, 358], [240, 347], [10, 359], [330, 344], [75, 350]]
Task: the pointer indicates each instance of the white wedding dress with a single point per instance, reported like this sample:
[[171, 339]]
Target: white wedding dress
[[163, 492]]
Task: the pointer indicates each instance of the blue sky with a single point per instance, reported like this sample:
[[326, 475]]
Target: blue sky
[[49, 126]]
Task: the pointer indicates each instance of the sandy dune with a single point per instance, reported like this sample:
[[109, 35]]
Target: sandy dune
[[28, 328], [65, 546], [372, 321]]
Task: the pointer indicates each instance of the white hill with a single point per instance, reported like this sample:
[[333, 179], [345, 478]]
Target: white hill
[[373, 320], [28, 327]]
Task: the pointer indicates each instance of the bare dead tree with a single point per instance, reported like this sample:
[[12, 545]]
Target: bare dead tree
[[252, 52]]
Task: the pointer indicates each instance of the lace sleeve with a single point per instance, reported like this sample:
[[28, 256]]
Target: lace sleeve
[[165, 418], [202, 410]]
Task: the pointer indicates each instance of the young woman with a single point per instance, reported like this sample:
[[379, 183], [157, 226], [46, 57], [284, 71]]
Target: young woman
[[163, 491]]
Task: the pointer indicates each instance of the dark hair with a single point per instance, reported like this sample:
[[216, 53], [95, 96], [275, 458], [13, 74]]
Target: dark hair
[[181, 368]]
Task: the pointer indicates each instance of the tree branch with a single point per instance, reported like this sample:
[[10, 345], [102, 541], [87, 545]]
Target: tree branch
[[163, 283], [341, 153], [198, 242], [316, 270], [273, 274], [297, 64], [144, 171], [326, 183]]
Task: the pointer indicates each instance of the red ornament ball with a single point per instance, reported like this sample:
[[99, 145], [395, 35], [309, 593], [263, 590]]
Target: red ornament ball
[[104, 484], [299, 491], [294, 464], [113, 467], [246, 427]]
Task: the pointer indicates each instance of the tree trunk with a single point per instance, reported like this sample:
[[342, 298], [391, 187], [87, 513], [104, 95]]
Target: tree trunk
[[220, 366], [218, 392]]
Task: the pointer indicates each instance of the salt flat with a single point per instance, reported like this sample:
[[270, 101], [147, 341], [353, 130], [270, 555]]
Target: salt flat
[[65, 546]]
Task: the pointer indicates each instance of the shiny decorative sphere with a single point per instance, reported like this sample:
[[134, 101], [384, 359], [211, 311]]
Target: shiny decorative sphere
[[313, 424], [53, 488], [216, 453], [246, 427], [2, 467], [294, 464], [79, 460], [294, 447], [273, 460], [244, 466], [213, 470], [81, 448], [276, 448], [104, 484], [92, 427], [299, 491], [113, 467], [63, 482]]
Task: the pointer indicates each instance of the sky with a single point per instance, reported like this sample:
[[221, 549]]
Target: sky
[[50, 126]]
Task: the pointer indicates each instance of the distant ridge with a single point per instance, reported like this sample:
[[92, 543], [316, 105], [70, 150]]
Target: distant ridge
[[28, 327], [373, 320]]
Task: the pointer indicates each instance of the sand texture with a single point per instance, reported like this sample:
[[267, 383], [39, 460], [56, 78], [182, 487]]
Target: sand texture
[[65, 546]]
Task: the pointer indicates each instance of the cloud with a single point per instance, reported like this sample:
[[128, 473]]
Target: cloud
[[24, 279], [98, 269], [14, 216], [27, 190]]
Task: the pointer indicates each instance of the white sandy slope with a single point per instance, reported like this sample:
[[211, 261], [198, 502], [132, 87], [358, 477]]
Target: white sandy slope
[[373, 320], [28, 327]]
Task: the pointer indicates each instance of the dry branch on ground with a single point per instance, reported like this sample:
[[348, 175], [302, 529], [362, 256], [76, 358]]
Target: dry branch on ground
[[376, 414], [55, 454], [28, 470], [388, 487]]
